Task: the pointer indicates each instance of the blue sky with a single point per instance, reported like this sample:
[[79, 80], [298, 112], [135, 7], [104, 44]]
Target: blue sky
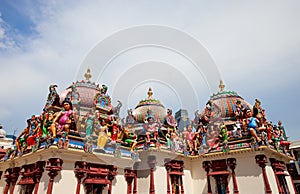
[[256, 46]]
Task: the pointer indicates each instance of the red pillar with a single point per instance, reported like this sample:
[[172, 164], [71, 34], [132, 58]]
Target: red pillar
[[152, 187], [206, 166], [7, 180], [54, 166], [152, 163], [231, 162], [290, 170], [168, 168], [129, 177], [14, 175], [111, 175], [39, 166], [181, 185], [80, 170], [135, 183], [261, 160]]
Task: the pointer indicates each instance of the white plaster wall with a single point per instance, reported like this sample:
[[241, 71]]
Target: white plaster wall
[[119, 184], [187, 178], [143, 183], [2, 183], [249, 176], [290, 184], [44, 183], [198, 178], [271, 178], [65, 182], [160, 180]]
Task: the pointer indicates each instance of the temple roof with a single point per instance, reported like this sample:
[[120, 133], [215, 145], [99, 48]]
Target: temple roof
[[157, 108], [224, 102]]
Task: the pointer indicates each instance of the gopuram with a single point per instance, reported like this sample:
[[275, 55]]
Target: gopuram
[[80, 143]]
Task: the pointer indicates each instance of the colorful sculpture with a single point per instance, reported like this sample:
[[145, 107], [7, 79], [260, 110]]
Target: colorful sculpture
[[64, 120]]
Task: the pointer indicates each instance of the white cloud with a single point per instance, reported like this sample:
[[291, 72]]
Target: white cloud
[[255, 44]]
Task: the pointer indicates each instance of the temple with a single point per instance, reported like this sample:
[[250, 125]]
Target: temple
[[81, 144]]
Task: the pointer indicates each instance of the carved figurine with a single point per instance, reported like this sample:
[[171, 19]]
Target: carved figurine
[[89, 126], [64, 119], [151, 126], [252, 124], [256, 108], [102, 136], [53, 98], [239, 111]]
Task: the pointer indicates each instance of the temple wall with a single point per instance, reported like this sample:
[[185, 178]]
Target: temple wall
[[249, 175], [198, 175], [187, 178], [143, 181], [119, 184]]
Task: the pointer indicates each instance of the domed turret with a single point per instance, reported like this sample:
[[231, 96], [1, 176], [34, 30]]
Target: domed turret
[[224, 103], [157, 109], [82, 93]]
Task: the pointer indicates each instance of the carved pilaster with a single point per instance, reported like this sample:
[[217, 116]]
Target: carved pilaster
[[99, 174], [80, 170], [38, 173], [11, 175], [291, 172], [174, 171], [54, 166], [111, 176], [231, 162], [129, 177], [261, 160], [206, 166], [152, 164]]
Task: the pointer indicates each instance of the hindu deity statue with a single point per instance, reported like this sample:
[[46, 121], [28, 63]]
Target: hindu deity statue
[[53, 98], [151, 126], [239, 110], [29, 136], [89, 125], [64, 120], [102, 135], [170, 121], [251, 124], [257, 107], [130, 119]]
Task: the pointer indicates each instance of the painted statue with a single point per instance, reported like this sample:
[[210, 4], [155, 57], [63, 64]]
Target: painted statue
[[63, 120], [252, 125], [53, 98], [151, 126], [102, 135]]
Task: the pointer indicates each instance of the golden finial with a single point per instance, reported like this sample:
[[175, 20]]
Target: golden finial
[[88, 75], [150, 93], [221, 86]]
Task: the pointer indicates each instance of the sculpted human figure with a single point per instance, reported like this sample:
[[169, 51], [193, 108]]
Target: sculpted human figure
[[239, 110], [63, 120], [151, 126], [89, 125], [102, 135], [130, 137], [27, 137], [189, 137], [256, 108], [252, 125]]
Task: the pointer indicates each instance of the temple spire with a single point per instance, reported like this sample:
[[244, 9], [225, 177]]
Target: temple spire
[[221, 86], [150, 93], [88, 74]]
